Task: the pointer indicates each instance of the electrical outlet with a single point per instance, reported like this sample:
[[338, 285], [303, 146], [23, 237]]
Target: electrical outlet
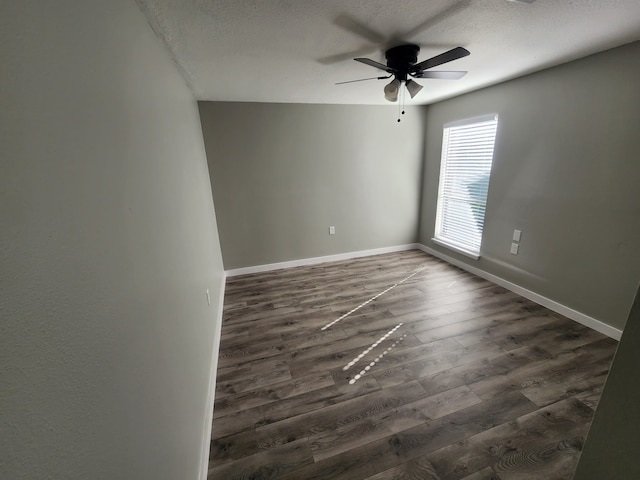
[[514, 248], [516, 235], [332, 230]]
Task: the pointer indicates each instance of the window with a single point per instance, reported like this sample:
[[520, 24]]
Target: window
[[465, 167]]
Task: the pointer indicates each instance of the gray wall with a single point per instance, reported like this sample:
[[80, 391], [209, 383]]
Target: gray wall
[[107, 244], [611, 449], [282, 174], [567, 173]]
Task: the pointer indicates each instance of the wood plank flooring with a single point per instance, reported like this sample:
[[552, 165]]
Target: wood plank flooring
[[398, 366]]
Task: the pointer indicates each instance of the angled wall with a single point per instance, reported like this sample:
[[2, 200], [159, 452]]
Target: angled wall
[[611, 448], [283, 173], [108, 243], [566, 173]]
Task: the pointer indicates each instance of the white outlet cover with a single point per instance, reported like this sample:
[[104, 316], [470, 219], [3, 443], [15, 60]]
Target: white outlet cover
[[517, 234], [514, 248]]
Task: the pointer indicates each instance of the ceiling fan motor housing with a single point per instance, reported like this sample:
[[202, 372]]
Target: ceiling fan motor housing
[[401, 58]]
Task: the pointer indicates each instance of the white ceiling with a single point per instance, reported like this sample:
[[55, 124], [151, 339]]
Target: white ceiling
[[295, 50]]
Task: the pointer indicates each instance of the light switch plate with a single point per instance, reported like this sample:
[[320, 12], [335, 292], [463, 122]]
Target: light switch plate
[[514, 248], [516, 235], [332, 230]]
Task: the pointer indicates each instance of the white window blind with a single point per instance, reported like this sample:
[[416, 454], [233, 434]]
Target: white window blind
[[467, 154]]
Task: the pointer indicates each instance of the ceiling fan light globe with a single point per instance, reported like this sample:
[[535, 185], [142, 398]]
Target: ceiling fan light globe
[[391, 90], [413, 88]]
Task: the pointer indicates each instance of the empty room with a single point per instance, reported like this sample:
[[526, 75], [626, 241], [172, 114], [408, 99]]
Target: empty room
[[320, 239]]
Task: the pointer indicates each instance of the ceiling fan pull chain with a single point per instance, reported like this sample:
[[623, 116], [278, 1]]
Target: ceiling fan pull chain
[[401, 104]]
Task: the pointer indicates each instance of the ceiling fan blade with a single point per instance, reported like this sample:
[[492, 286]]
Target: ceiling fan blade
[[363, 79], [446, 14], [440, 75], [341, 57], [354, 26], [372, 63], [453, 54]]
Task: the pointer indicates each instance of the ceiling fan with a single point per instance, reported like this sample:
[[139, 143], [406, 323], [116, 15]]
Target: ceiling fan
[[401, 65]]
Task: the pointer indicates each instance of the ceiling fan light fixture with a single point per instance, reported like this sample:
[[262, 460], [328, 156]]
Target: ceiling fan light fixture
[[413, 88], [391, 90]]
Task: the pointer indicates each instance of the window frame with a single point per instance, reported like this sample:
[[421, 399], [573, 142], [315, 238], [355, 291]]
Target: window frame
[[464, 249]]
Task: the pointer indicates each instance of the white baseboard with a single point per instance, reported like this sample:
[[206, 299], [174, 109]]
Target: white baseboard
[[579, 317], [206, 433], [315, 260], [557, 307]]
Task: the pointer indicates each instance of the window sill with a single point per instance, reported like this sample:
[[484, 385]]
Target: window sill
[[456, 248]]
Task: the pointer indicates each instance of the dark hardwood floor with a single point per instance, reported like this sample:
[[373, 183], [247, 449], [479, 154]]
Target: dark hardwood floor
[[443, 376]]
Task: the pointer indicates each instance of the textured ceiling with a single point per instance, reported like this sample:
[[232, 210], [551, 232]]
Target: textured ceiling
[[296, 50]]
